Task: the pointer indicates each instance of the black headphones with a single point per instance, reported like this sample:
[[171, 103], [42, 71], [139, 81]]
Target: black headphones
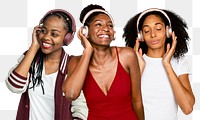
[[70, 35], [85, 28], [168, 28]]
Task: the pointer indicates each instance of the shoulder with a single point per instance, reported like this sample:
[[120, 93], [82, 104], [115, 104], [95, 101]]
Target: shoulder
[[182, 65], [127, 56], [74, 59], [126, 52]]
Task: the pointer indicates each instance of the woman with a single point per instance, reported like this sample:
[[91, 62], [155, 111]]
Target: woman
[[164, 70], [109, 76], [43, 68]]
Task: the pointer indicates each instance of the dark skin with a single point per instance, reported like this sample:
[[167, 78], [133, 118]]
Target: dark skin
[[154, 35], [101, 60], [49, 37]]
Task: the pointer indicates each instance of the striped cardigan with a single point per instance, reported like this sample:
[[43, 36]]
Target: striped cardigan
[[18, 84]]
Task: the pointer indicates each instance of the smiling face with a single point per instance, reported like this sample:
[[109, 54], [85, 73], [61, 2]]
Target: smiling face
[[101, 30], [153, 30], [52, 35]]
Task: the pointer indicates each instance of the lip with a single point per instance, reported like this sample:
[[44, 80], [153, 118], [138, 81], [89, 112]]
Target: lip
[[154, 42], [46, 45]]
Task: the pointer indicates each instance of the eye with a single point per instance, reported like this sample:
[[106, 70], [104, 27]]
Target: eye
[[43, 31], [146, 31], [158, 28], [111, 25], [54, 34], [98, 24]]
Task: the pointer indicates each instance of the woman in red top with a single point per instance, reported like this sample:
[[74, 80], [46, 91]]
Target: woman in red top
[[109, 76]]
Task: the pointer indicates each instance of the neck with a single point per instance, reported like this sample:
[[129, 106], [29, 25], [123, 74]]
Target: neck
[[157, 53], [53, 57], [101, 56]]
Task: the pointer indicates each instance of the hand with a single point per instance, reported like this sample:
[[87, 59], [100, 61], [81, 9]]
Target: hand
[[170, 51], [84, 41], [138, 52], [35, 35]]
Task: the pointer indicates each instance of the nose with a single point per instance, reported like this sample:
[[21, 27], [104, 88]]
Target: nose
[[105, 28], [46, 36], [153, 33]]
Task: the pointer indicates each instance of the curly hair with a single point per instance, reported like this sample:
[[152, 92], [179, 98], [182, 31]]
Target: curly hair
[[91, 17], [178, 25]]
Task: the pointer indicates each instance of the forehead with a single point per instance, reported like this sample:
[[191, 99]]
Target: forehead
[[102, 16], [54, 20], [153, 19]]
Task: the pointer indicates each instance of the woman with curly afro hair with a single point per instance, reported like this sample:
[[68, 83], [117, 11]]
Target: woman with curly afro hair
[[160, 40]]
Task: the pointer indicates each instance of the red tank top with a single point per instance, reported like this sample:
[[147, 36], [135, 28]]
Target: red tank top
[[117, 104]]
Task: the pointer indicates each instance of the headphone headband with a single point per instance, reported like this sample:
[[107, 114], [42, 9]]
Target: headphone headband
[[151, 10], [73, 25], [69, 36], [96, 10]]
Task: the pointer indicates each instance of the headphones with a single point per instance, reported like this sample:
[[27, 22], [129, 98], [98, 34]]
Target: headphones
[[70, 35], [168, 28], [85, 29]]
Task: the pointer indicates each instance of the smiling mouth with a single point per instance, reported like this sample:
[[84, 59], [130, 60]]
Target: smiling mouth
[[103, 36], [46, 45]]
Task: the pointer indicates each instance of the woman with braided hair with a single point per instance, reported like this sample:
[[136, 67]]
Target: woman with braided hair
[[43, 68]]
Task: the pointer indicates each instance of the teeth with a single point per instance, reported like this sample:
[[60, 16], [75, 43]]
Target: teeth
[[104, 36], [46, 45]]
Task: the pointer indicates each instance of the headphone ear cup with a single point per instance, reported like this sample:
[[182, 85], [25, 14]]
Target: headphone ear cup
[[68, 38], [168, 31], [85, 31], [140, 36], [114, 36]]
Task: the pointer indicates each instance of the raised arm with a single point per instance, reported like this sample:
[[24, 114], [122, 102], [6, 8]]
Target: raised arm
[[18, 75], [180, 83], [77, 70]]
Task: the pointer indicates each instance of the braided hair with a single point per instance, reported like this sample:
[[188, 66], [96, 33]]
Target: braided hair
[[37, 64]]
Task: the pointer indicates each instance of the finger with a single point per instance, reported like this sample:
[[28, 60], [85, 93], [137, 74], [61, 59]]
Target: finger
[[78, 33], [137, 44], [140, 51], [168, 48], [174, 40]]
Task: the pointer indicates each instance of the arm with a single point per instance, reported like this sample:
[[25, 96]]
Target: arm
[[17, 80], [182, 89], [180, 84], [14, 82], [135, 75], [25, 64], [77, 70], [138, 52]]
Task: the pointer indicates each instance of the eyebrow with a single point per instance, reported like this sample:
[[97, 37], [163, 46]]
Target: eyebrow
[[102, 21], [52, 29], [155, 24], [56, 30]]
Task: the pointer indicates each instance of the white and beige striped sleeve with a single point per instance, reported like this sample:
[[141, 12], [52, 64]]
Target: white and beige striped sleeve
[[15, 82]]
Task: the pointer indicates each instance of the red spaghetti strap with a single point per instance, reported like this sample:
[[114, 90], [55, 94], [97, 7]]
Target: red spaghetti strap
[[117, 53]]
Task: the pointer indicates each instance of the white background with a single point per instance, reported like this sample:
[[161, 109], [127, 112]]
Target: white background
[[19, 17]]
